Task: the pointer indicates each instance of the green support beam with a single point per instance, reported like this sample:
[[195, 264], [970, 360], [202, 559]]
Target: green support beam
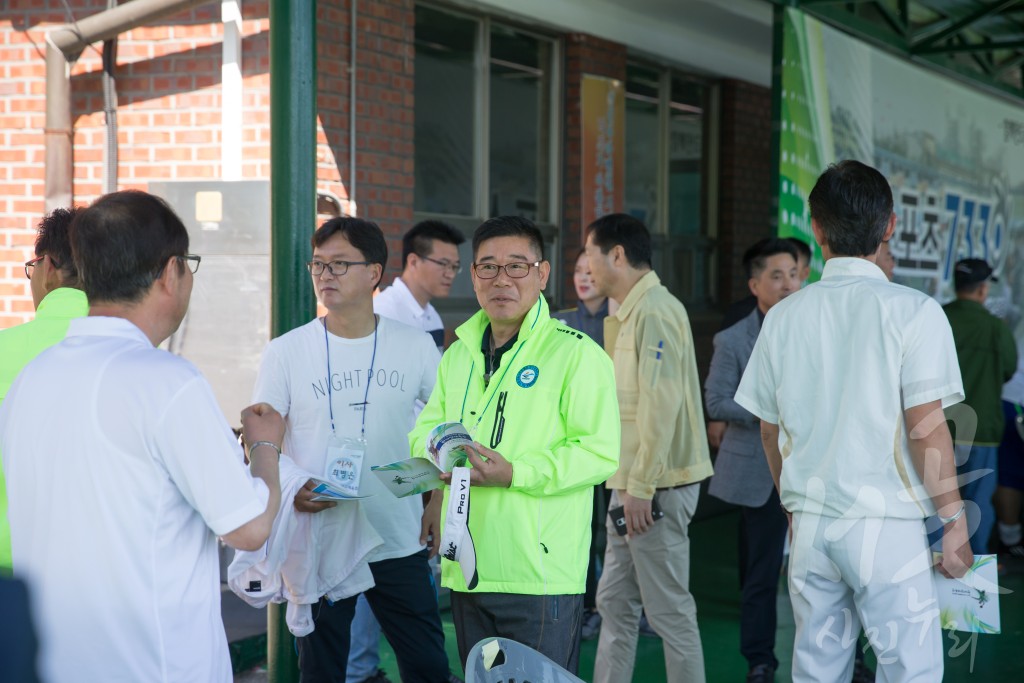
[[292, 218], [931, 37]]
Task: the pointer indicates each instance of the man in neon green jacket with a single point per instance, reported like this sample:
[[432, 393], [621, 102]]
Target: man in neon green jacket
[[58, 299], [539, 400]]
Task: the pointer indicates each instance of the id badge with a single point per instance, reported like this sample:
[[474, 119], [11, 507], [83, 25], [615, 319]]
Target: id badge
[[345, 463]]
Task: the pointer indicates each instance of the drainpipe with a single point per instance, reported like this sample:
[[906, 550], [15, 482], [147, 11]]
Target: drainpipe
[[63, 46]]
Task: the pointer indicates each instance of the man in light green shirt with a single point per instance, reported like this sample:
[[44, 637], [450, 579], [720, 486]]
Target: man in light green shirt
[[58, 299]]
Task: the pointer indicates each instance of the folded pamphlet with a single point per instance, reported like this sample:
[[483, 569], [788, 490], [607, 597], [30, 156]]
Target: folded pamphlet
[[971, 603]]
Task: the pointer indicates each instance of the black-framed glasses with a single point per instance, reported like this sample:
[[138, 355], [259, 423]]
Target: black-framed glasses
[[29, 265], [192, 261], [335, 268], [453, 268], [517, 270]]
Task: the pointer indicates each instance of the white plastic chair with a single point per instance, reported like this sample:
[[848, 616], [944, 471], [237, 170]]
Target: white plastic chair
[[500, 660]]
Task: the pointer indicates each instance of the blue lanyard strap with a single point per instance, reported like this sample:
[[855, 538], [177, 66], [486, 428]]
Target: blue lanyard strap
[[330, 380]]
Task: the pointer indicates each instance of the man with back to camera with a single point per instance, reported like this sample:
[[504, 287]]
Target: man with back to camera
[[540, 395], [58, 299], [741, 474], [430, 263], [348, 385], [664, 457], [987, 354], [143, 459], [852, 426]]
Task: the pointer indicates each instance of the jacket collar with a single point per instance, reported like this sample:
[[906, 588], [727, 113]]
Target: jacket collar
[[63, 302], [472, 331], [642, 286]]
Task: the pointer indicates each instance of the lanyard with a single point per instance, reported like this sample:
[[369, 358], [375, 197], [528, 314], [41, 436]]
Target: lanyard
[[497, 385], [330, 380]]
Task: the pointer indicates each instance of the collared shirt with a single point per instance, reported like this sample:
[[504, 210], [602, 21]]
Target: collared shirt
[[651, 345], [398, 303], [988, 358], [834, 367], [590, 324], [18, 346], [115, 514]]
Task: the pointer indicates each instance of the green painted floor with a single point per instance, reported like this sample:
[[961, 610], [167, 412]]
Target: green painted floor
[[715, 585]]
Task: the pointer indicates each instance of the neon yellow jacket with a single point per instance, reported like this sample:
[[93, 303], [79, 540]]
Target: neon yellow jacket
[[18, 346], [551, 410]]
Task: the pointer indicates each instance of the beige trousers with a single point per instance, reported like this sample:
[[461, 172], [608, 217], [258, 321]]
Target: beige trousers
[[650, 571]]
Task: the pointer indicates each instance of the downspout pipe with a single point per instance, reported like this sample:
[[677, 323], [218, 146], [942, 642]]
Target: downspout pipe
[[63, 46]]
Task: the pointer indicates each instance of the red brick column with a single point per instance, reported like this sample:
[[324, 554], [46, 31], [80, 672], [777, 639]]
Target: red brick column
[[744, 189], [584, 54], [385, 57]]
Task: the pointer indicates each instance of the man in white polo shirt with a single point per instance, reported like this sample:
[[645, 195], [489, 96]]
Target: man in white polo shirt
[[430, 262], [122, 470], [849, 377]]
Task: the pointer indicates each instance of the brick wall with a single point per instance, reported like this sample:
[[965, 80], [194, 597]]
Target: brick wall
[[384, 112], [169, 114], [584, 54], [744, 191]]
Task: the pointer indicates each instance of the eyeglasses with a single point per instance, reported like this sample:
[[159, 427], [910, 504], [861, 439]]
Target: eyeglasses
[[192, 261], [335, 268], [489, 271], [29, 265], [453, 268]]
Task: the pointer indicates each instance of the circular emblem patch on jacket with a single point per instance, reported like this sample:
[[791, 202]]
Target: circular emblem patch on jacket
[[527, 377]]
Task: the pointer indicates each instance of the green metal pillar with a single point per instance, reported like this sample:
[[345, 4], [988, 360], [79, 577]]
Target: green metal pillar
[[292, 218]]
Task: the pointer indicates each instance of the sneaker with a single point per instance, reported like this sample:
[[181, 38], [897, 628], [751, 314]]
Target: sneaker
[[762, 673], [591, 624], [646, 629], [379, 676], [1016, 550]]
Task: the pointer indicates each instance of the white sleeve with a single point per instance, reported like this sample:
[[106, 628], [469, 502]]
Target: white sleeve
[[205, 461], [930, 369], [758, 387], [272, 381]]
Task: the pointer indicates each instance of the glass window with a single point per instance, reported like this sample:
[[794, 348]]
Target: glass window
[[519, 116], [642, 144], [686, 139], [445, 92]]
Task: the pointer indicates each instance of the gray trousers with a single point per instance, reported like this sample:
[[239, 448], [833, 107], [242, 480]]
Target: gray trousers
[[550, 624], [650, 572]]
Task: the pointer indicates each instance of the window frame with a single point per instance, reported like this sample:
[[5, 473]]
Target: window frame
[[481, 195], [706, 242]]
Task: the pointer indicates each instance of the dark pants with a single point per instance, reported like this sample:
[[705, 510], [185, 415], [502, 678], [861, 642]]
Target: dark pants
[[550, 624], [597, 544], [405, 604], [762, 537]]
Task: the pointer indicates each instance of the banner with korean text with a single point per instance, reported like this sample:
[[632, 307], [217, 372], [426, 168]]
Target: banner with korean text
[[603, 121], [953, 155]]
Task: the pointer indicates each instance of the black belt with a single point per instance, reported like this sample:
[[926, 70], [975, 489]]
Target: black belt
[[672, 488]]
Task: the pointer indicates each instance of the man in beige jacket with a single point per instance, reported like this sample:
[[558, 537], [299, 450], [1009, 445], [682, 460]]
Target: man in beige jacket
[[664, 456]]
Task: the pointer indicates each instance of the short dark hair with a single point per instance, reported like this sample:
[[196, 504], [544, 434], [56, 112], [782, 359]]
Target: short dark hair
[[622, 229], [420, 238], [803, 249], [53, 240], [366, 236], [122, 242], [852, 204], [509, 226], [755, 258]]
